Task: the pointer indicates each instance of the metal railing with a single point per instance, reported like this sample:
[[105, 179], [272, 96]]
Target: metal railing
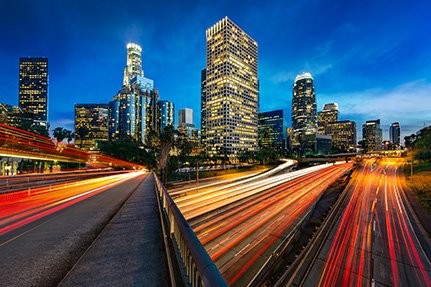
[[199, 268]]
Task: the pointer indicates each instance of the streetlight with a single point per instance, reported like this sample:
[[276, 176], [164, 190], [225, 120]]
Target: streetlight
[[197, 175], [197, 172], [411, 168]]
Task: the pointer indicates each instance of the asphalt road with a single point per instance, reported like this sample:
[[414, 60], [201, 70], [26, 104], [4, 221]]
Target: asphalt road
[[374, 242], [241, 224], [31, 181], [43, 235]]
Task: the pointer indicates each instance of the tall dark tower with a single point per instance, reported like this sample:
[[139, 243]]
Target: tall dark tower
[[33, 88], [303, 109]]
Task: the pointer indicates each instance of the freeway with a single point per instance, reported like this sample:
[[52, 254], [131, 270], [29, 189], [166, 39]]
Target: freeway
[[44, 232], [232, 181], [240, 224], [374, 241]]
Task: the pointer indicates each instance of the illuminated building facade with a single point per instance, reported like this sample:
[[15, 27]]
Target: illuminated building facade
[[394, 133], [165, 114], [33, 88], [186, 127], [203, 106], [14, 116], [133, 114], [133, 110], [315, 144], [372, 135], [185, 117], [113, 118], [91, 125], [303, 110], [328, 115], [271, 131], [134, 63], [289, 140], [231, 94], [343, 135]]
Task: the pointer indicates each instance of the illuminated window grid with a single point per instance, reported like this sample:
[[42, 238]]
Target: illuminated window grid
[[232, 89]]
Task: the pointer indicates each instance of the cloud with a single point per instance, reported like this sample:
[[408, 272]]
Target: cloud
[[407, 103], [283, 77], [64, 123]]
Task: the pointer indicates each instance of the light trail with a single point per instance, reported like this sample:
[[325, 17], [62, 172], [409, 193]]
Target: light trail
[[25, 208], [238, 224], [239, 181], [197, 204], [19, 143], [375, 233]]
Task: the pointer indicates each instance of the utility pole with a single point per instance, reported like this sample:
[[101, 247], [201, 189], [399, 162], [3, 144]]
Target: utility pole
[[411, 170], [197, 172]]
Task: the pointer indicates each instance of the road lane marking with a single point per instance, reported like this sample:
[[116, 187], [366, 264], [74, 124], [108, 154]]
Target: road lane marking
[[242, 249], [386, 195]]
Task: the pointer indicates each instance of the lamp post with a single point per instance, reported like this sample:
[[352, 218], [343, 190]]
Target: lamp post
[[197, 175], [197, 172], [411, 168]]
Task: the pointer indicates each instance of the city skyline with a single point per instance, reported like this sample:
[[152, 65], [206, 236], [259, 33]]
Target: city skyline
[[375, 77]]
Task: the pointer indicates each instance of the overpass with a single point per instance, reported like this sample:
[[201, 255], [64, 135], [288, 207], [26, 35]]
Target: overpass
[[21, 144]]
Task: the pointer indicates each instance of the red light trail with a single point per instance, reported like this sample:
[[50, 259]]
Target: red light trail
[[375, 233], [20, 208], [242, 224]]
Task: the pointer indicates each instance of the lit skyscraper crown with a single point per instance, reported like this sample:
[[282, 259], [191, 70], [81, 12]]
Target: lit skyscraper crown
[[134, 46], [303, 76], [330, 107]]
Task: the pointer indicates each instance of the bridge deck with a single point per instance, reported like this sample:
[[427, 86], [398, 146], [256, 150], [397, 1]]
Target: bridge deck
[[129, 251]]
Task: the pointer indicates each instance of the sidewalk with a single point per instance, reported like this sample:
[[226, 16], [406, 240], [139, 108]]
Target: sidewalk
[[129, 251]]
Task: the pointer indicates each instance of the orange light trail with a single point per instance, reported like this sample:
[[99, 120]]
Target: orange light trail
[[24, 208], [19, 143], [237, 237], [375, 200]]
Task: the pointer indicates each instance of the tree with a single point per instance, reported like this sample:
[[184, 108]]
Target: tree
[[70, 135], [59, 134], [128, 149], [263, 155], [183, 145], [166, 140], [82, 132], [35, 128], [409, 141], [422, 146]]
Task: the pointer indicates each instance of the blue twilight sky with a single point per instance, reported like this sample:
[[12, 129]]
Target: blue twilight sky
[[372, 57]]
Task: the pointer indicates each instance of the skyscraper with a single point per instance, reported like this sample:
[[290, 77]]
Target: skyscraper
[[186, 127], [185, 117], [231, 97], [394, 133], [271, 129], [343, 134], [91, 124], [13, 116], [372, 135], [134, 63], [303, 110], [33, 88], [327, 115], [133, 110], [203, 106], [113, 118], [166, 114]]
